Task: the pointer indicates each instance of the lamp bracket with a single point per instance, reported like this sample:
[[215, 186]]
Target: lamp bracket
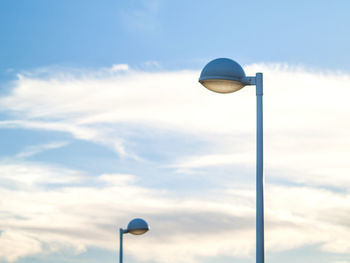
[[249, 80], [124, 231]]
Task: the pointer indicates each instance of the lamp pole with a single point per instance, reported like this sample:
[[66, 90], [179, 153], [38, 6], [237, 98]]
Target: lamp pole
[[121, 232], [224, 75], [137, 226], [260, 257]]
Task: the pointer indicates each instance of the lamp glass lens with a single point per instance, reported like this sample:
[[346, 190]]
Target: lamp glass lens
[[222, 85], [138, 231]]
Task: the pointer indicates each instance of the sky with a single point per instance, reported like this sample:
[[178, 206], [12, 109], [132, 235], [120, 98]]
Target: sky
[[102, 120]]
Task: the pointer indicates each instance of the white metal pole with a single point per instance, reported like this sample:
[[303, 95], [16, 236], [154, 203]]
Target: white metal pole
[[260, 257], [121, 232]]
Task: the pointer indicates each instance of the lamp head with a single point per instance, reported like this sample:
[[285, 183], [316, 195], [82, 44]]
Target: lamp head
[[137, 226], [223, 75]]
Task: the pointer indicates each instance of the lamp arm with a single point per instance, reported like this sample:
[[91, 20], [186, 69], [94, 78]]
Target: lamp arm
[[249, 81]]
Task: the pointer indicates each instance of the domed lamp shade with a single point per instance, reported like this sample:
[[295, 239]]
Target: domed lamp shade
[[137, 226], [223, 75]]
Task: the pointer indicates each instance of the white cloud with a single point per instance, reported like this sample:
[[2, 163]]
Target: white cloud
[[77, 216], [27, 175], [14, 245], [120, 67], [212, 160], [306, 143], [306, 115]]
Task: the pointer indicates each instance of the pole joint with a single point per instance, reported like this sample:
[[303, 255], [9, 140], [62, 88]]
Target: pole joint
[[259, 84]]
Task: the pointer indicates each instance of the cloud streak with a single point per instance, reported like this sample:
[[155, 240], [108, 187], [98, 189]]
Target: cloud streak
[[33, 150]]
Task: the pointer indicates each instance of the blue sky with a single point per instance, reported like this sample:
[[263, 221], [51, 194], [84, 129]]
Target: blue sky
[[102, 119], [176, 34]]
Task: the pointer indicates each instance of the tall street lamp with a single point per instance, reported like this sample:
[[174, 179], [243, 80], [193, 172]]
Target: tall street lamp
[[224, 75], [137, 226]]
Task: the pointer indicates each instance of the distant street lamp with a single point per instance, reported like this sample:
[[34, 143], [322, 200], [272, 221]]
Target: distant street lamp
[[224, 75], [137, 226]]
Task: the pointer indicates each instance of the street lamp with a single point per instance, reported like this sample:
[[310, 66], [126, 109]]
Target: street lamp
[[224, 75], [137, 226]]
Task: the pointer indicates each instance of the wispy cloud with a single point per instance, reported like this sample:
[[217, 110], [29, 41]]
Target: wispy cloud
[[142, 17], [18, 175], [212, 160], [120, 67], [305, 122], [36, 149]]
